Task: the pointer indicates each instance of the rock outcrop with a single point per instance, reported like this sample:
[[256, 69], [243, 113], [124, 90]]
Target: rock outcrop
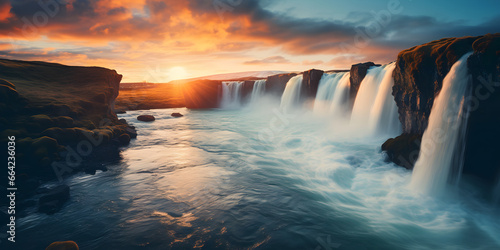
[[310, 82], [418, 79], [482, 147], [146, 118], [357, 74], [63, 245], [246, 89], [52, 109], [276, 84]]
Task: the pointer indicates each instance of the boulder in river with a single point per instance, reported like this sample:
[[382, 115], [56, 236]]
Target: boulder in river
[[177, 115], [146, 118], [63, 245]]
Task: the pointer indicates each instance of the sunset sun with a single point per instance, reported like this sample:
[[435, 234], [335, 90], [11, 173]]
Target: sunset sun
[[177, 73]]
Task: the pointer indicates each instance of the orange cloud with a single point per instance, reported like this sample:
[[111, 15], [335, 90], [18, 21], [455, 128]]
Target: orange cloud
[[130, 35]]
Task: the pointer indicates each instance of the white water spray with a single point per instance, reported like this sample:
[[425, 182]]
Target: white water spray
[[439, 162]]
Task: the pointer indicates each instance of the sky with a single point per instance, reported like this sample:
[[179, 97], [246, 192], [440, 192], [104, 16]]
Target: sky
[[159, 41]]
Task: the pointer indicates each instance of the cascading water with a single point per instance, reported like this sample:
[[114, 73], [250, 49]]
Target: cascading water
[[291, 96], [333, 94], [231, 94], [384, 113], [258, 91], [375, 110], [442, 142]]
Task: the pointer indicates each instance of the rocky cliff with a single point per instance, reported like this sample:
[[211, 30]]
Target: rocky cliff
[[310, 82], [418, 79], [357, 74], [53, 109], [276, 84]]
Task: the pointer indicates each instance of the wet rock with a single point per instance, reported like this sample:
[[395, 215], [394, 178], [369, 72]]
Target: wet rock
[[177, 115], [310, 82], [124, 139], [403, 150], [146, 118], [418, 79], [63, 245], [358, 73], [276, 84]]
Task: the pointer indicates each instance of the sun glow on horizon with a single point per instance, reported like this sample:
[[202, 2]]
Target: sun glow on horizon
[[177, 73]]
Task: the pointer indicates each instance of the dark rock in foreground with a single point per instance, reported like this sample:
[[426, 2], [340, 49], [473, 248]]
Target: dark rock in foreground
[[63, 119], [63, 245], [177, 115], [403, 150], [146, 118]]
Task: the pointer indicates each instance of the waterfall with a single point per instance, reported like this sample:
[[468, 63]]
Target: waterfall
[[375, 110], [231, 94], [384, 113], [439, 162], [258, 91], [333, 94], [291, 96]]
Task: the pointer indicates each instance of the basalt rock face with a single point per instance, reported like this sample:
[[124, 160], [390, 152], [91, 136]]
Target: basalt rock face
[[357, 74], [418, 79], [310, 82], [276, 84], [246, 90], [52, 108], [482, 147]]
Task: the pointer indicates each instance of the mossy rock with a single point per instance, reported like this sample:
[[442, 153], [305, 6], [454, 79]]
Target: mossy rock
[[63, 245], [124, 138], [105, 134], [54, 132], [24, 142], [86, 124], [13, 132], [42, 120], [64, 121], [46, 142], [8, 94]]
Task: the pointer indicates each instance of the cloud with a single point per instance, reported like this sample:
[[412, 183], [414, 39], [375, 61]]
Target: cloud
[[195, 32], [269, 60], [307, 62]]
